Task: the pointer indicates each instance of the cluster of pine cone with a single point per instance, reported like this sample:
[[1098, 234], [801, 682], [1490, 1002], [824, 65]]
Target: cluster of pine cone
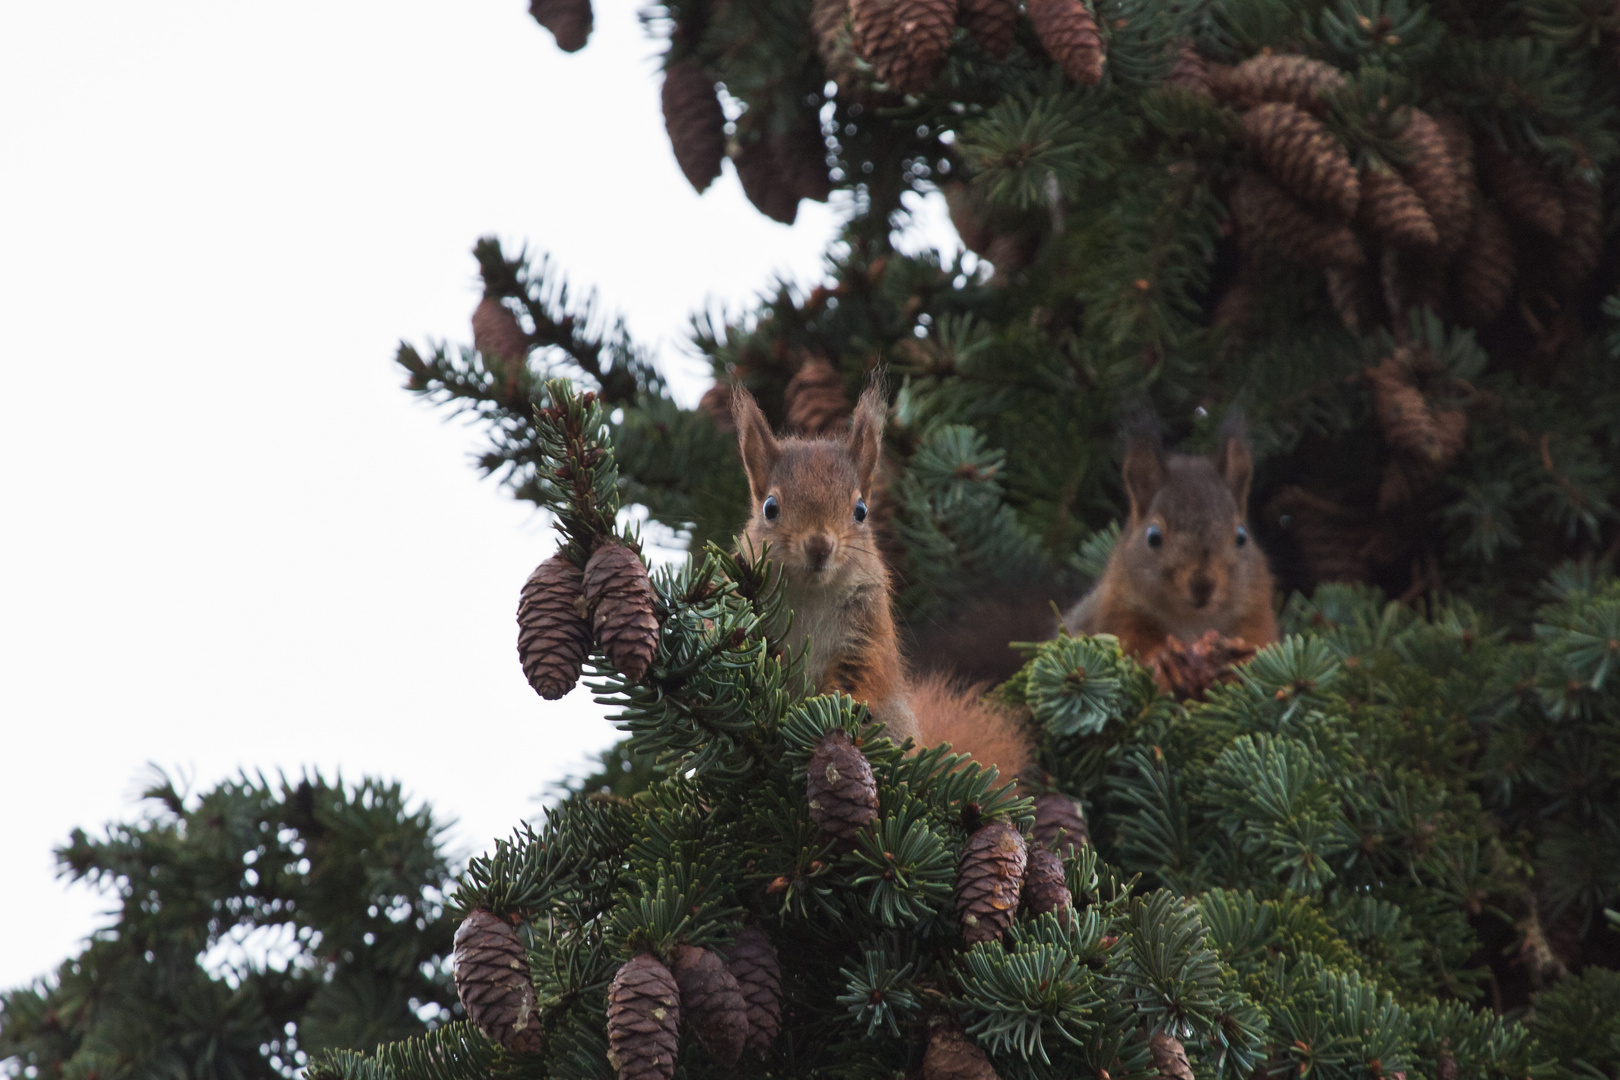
[[1452, 227], [562, 608]]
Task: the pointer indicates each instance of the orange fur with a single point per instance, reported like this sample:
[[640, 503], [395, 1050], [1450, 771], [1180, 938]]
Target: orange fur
[[950, 712]]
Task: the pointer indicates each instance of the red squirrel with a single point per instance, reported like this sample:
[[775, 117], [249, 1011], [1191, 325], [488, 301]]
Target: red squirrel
[[1185, 562], [811, 513]]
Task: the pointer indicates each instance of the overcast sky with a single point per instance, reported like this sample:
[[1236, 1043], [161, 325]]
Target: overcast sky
[[230, 539]]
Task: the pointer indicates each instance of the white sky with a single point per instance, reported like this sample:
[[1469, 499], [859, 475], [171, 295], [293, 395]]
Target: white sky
[[227, 537]]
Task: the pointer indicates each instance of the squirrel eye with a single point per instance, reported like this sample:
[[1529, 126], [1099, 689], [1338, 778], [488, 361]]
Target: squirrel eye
[[1242, 536], [772, 510], [1155, 538], [860, 509]]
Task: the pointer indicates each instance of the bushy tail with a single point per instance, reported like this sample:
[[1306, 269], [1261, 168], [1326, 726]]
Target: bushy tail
[[949, 711]]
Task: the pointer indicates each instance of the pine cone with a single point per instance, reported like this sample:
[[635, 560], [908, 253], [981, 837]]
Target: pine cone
[[1460, 143], [1355, 295], [1069, 33], [1059, 824], [553, 636], [988, 881], [777, 170], [951, 1055], [568, 20], [991, 22], [1485, 269], [1186, 672], [1410, 424], [716, 401], [830, 22], [711, 1002], [905, 41], [758, 973], [1270, 221], [643, 1020], [498, 336], [1044, 886], [1581, 245], [1191, 72], [1526, 192], [494, 984], [695, 122], [1170, 1058], [801, 157], [621, 602], [968, 214], [1446, 1068], [1392, 211], [815, 400], [1438, 179], [842, 789], [1303, 156], [1293, 80]]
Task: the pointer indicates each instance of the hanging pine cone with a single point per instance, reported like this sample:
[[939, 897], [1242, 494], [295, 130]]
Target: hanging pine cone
[[1059, 824], [716, 402], [778, 169], [830, 22], [905, 41], [711, 1002], [951, 1055], [1293, 80], [1170, 1057], [842, 789], [1526, 192], [643, 1020], [1271, 221], [1486, 267], [991, 22], [1355, 295], [553, 636], [801, 156], [568, 20], [1438, 178], [1460, 143], [1392, 211], [1581, 245], [1191, 72], [988, 881], [1044, 886], [1409, 423], [815, 400], [498, 336], [1303, 156], [1186, 672], [1068, 31], [759, 975], [494, 984], [694, 121], [621, 602]]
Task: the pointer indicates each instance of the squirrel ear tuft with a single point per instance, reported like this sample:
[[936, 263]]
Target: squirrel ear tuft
[[1144, 471], [866, 434], [1233, 459], [759, 448]]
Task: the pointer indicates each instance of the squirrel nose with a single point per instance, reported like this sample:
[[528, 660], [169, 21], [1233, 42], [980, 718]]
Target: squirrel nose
[[1201, 588], [817, 549]]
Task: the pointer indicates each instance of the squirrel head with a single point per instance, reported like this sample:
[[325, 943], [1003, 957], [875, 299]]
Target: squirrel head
[[810, 496], [1187, 548]]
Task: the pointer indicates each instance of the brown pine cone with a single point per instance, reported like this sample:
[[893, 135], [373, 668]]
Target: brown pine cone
[[1439, 180], [1526, 192], [1191, 72], [1303, 156], [1460, 143], [1059, 824], [498, 336], [716, 401], [951, 1055], [694, 121], [1294, 80], [1069, 33], [1356, 296], [1271, 221], [841, 788], [1486, 267], [553, 636], [1044, 886], [988, 880], [969, 215], [494, 984], [815, 400], [763, 182], [1186, 672], [830, 22], [759, 974], [801, 156], [643, 1020], [1581, 246], [568, 20], [621, 602], [1170, 1057], [711, 1002], [1409, 423], [991, 22], [905, 41], [1392, 211]]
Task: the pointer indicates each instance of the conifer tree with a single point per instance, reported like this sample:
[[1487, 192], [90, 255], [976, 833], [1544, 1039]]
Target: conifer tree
[[1386, 845]]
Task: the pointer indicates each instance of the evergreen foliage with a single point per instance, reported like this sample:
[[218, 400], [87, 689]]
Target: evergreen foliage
[[259, 922]]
